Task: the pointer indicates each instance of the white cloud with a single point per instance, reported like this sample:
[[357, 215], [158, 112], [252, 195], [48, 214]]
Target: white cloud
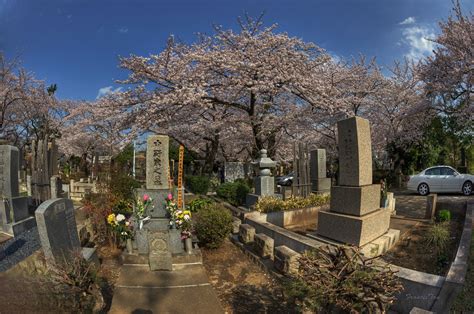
[[107, 90], [408, 20], [418, 40], [123, 30]]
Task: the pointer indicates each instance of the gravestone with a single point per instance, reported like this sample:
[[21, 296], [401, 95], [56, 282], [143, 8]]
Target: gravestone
[[14, 216], [156, 238], [264, 182], [355, 216], [57, 230], [233, 171], [320, 183]]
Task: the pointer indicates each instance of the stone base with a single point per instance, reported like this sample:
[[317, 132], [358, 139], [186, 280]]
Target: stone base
[[251, 199], [355, 200], [236, 222], [176, 244], [161, 261], [14, 209], [177, 259], [321, 184], [264, 185], [352, 229], [382, 244], [16, 228]]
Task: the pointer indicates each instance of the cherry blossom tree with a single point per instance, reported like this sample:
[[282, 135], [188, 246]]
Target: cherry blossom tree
[[449, 76]]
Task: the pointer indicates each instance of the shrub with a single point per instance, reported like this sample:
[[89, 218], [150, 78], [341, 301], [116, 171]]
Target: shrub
[[212, 225], [123, 186], [339, 277], [198, 204], [233, 192], [272, 204], [444, 215], [438, 236], [97, 206], [76, 278], [198, 184]]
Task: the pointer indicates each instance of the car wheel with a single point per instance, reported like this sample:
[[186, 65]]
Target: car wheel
[[423, 189], [467, 188]]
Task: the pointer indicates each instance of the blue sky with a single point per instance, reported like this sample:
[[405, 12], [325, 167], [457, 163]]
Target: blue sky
[[76, 43]]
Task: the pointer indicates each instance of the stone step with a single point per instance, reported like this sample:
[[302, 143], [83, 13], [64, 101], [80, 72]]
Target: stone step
[[178, 259], [142, 276], [184, 291]]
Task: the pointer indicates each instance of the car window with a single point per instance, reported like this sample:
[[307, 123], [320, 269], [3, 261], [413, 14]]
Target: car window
[[445, 171], [433, 172]]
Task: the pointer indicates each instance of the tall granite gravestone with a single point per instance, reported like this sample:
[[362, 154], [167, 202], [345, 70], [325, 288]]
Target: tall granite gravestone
[[14, 217], [156, 238], [264, 182], [58, 231], [355, 216], [320, 183]]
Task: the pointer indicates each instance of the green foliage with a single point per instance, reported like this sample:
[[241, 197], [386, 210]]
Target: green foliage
[[123, 207], [339, 278], [198, 204], [212, 225], [125, 157], [438, 236], [234, 192], [272, 204], [198, 184], [122, 186], [444, 215]]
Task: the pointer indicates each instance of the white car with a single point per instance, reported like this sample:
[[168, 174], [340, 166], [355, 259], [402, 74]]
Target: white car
[[441, 179]]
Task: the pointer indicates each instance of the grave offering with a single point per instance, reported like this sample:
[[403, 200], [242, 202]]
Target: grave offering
[[14, 217], [264, 182], [320, 183], [58, 231], [355, 216]]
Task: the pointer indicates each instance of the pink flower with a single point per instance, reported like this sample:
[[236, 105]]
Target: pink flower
[[170, 197], [146, 197]]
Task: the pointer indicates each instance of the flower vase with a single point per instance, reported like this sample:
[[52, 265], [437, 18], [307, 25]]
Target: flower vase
[[188, 245], [129, 246]]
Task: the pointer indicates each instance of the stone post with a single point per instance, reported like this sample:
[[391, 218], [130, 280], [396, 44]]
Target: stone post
[[431, 206], [264, 182], [320, 183]]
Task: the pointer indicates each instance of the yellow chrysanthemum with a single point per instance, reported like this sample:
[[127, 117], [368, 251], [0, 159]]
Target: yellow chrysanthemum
[[111, 219]]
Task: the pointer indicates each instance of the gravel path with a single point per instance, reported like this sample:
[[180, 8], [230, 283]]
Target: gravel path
[[17, 249]]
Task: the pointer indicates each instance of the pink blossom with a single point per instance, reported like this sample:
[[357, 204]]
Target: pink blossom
[[170, 197], [146, 197]]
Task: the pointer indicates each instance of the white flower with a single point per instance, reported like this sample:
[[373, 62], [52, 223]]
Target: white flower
[[186, 217], [127, 223], [120, 217], [124, 233]]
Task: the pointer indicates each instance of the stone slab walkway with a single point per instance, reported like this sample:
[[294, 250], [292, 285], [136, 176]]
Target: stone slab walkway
[[184, 290]]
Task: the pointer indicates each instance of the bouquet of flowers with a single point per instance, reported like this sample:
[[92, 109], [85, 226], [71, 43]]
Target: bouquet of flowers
[[179, 217], [141, 206], [121, 225]]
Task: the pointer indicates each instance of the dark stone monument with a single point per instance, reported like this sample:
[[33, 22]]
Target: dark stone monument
[[58, 231], [14, 216]]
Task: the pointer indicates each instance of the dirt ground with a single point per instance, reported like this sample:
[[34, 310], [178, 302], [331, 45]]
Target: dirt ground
[[26, 288], [413, 252], [241, 285]]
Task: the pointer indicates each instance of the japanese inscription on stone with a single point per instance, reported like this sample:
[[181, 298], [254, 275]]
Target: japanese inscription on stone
[[157, 163]]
